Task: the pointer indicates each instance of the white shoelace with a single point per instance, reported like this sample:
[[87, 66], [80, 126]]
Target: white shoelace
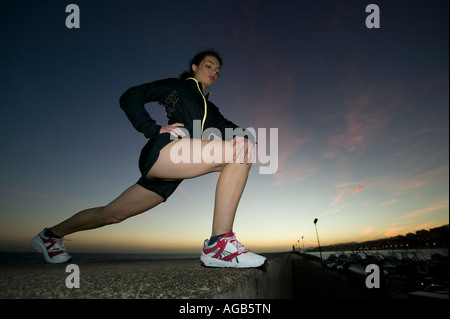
[[241, 248], [60, 241]]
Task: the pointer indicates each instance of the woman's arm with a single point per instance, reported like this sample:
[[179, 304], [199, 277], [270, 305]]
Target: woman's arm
[[132, 103]]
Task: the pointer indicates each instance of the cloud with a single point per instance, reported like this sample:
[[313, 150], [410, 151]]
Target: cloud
[[400, 184], [442, 205], [417, 133], [389, 202], [346, 188], [290, 175], [361, 124], [409, 222], [364, 111], [339, 197], [358, 188], [395, 231], [408, 228], [425, 179], [331, 153]]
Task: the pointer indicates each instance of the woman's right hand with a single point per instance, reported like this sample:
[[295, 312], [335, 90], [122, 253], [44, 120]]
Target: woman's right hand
[[173, 129], [244, 150]]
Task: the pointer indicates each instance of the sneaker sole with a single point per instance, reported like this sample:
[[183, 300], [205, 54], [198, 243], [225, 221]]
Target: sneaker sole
[[217, 263]]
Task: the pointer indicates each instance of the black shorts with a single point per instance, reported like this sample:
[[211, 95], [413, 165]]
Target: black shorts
[[148, 157]]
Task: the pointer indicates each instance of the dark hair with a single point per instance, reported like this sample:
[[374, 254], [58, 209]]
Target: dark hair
[[197, 59]]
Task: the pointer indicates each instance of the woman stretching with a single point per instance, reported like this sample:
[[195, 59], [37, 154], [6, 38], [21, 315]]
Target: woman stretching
[[187, 109]]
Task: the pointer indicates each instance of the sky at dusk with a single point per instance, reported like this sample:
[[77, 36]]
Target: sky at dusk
[[362, 116]]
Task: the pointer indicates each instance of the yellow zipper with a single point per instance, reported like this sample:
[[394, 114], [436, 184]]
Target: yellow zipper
[[204, 101]]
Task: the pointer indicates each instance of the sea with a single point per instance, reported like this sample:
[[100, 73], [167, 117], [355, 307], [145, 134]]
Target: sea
[[34, 257]]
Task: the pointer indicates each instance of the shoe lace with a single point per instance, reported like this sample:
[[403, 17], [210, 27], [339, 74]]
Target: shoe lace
[[241, 248], [60, 242]]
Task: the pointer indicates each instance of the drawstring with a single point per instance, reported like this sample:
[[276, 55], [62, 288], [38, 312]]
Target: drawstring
[[204, 101]]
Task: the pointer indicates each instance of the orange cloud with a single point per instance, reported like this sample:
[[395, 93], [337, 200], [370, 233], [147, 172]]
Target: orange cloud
[[358, 188], [367, 230], [339, 197], [400, 185], [442, 205], [346, 189], [361, 124], [369, 110]]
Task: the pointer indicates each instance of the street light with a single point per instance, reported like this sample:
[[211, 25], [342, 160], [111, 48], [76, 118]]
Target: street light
[[320, 251], [303, 244]]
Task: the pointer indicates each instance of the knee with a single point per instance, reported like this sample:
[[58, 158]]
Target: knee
[[109, 217], [218, 167], [247, 167], [113, 220], [244, 168]]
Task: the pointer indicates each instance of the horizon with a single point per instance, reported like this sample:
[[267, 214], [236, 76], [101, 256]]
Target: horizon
[[193, 250], [361, 113]]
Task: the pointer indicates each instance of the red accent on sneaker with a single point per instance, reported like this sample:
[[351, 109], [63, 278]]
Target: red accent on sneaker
[[231, 256], [52, 254], [52, 243], [220, 247], [48, 240]]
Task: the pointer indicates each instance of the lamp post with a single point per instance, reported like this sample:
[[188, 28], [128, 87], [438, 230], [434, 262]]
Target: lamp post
[[320, 251], [303, 244]]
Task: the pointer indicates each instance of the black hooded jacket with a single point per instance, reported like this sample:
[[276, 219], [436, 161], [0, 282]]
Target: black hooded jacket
[[184, 102]]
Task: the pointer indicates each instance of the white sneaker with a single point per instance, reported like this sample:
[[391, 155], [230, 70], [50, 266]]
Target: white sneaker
[[52, 248], [229, 252]]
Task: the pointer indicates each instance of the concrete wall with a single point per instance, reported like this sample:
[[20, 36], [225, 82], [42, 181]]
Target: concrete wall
[[148, 279], [274, 282]]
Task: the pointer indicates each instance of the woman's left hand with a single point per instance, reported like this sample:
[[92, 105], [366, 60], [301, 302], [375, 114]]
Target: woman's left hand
[[244, 150]]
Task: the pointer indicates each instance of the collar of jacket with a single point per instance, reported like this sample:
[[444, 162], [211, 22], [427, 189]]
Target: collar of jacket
[[197, 84]]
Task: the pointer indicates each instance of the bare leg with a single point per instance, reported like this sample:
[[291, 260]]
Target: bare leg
[[230, 186], [137, 199], [133, 201]]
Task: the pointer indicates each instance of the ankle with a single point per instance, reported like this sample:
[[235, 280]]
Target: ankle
[[215, 238], [49, 233]]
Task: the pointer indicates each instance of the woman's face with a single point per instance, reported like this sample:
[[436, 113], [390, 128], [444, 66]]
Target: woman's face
[[207, 71]]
